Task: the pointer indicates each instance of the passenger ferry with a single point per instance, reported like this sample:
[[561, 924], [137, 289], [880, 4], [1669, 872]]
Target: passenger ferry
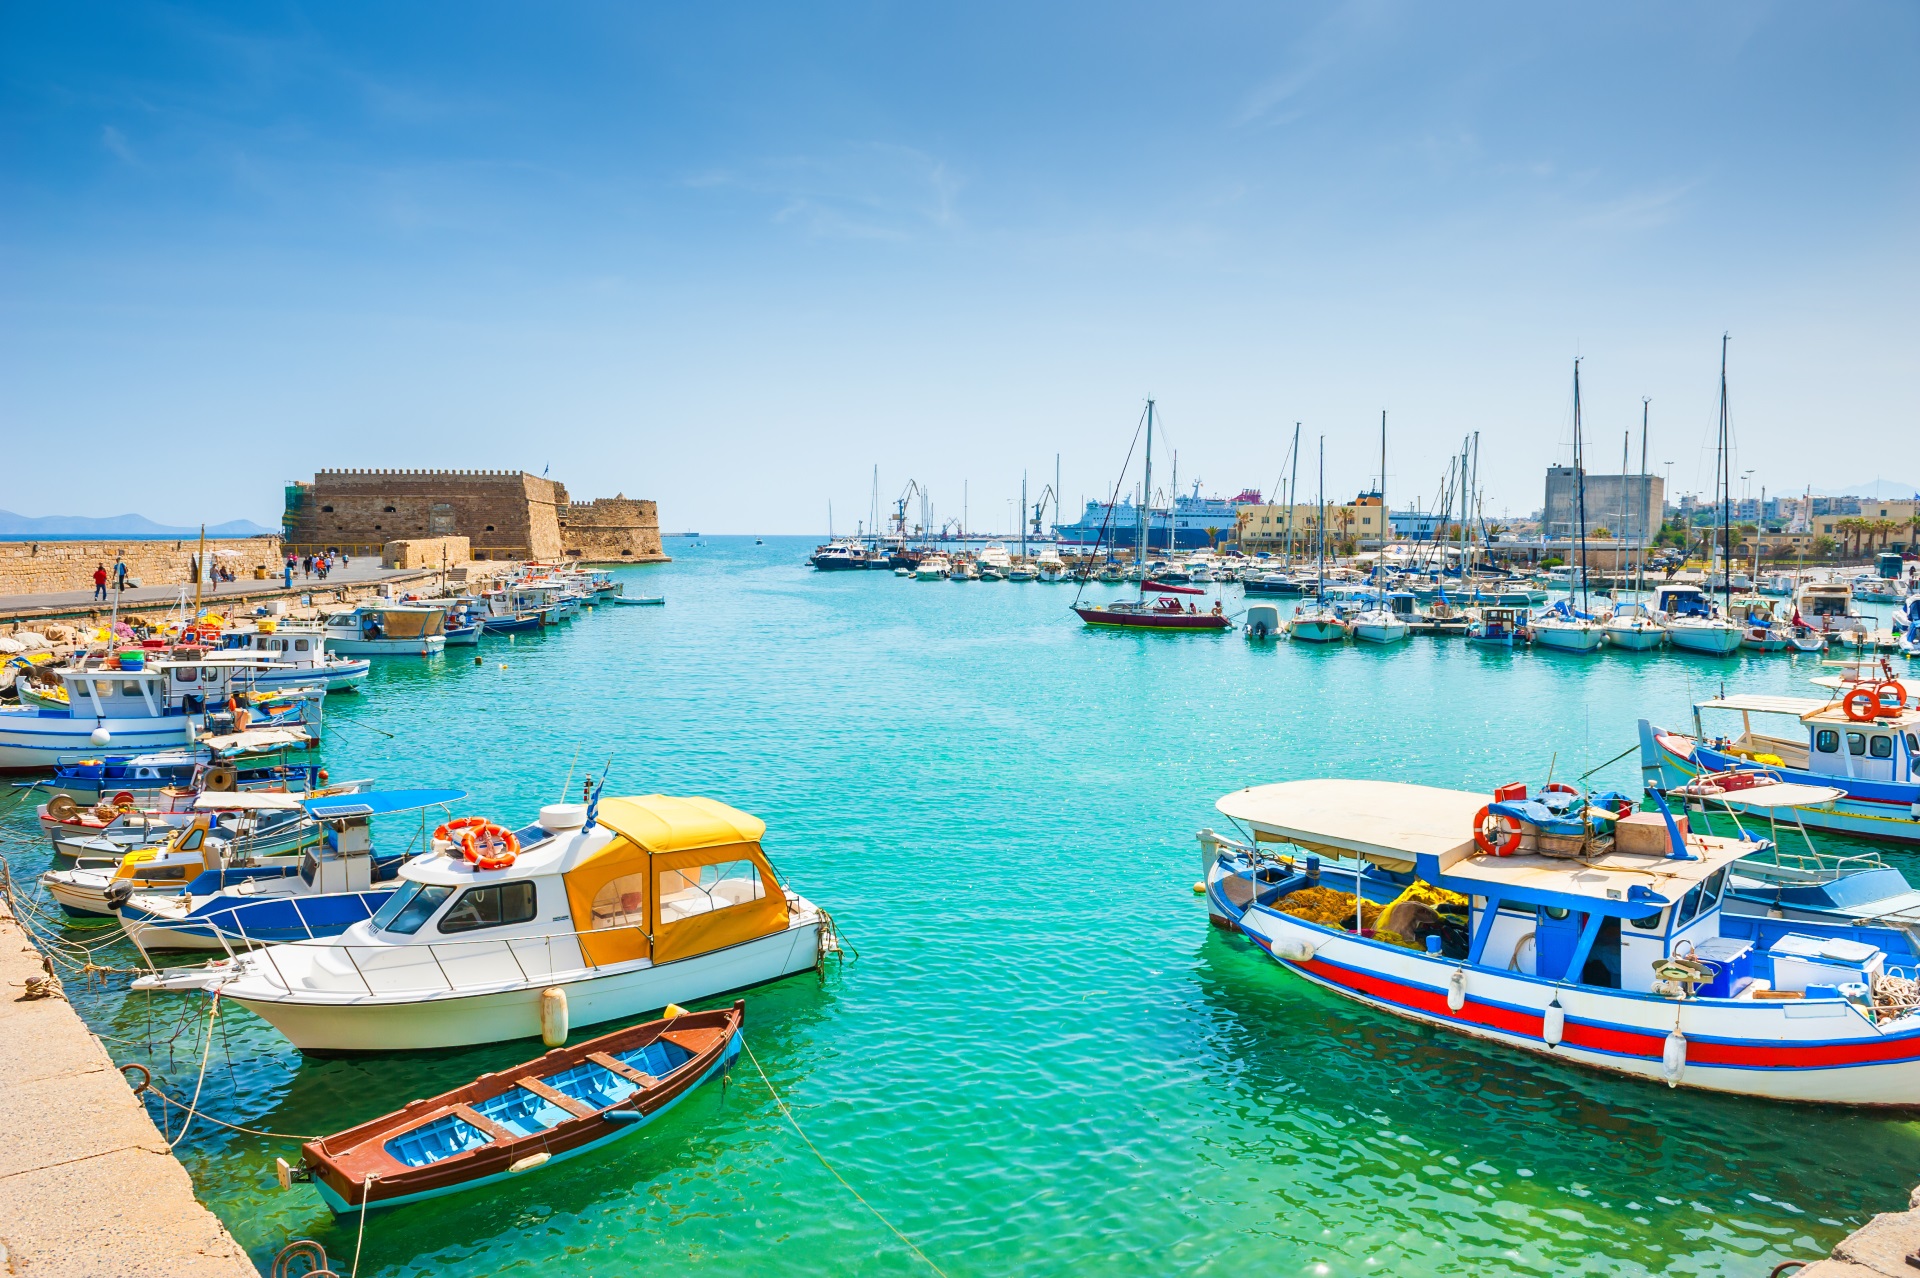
[[1194, 522]]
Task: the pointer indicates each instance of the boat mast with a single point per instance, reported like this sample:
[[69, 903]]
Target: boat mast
[[1023, 514], [1727, 482], [1579, 487], [1646, 486], [1320, 590], [1293, 491], [1146, 497], [1381, 561]]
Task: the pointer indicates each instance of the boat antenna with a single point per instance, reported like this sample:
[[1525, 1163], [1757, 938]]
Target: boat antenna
[[593, 797], [567, 787]]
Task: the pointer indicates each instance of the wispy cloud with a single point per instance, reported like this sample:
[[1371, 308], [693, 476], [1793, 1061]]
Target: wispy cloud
[[116, 142], [865, 190]]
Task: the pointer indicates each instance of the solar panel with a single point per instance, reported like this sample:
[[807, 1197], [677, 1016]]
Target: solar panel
[[327, 811]]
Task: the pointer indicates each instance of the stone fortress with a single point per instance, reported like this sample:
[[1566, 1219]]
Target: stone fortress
[[500, 514]]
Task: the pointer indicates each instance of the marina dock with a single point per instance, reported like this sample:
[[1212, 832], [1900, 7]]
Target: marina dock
[[140, 1215]]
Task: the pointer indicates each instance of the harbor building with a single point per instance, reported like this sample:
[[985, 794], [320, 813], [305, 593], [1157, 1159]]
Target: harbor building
[[503, 514], [1621, 504], [1269, 527]]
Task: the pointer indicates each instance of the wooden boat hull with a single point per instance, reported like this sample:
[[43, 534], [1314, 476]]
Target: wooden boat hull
[[1205, 621], [356, 1167]]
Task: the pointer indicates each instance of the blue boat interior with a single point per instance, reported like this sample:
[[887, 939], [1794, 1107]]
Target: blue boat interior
[[525, 1113]]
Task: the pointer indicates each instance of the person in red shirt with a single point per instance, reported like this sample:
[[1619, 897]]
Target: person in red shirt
[[100, 581]]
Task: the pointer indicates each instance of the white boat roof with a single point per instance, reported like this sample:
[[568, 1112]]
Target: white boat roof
[[245, 800], [1798, 707], [1385, 820]]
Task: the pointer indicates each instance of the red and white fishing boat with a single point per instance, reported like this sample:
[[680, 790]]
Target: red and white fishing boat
[[1597, 937]]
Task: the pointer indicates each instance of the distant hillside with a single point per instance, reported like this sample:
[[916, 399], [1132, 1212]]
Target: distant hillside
[[1878, 490], [12, 525]]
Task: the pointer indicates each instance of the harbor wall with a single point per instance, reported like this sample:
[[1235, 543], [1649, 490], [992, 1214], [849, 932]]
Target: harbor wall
[[615, 529], [426, 552], [45, 567], [503, 514], [88, 1184]]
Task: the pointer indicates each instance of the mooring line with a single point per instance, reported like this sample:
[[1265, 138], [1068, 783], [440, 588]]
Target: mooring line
[[795, 1123]]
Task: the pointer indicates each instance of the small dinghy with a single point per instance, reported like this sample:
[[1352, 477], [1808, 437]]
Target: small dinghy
[[524, 1117], [639, 601]]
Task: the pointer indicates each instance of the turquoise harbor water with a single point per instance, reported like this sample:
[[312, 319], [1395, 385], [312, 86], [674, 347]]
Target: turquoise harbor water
[[1043, 1060]]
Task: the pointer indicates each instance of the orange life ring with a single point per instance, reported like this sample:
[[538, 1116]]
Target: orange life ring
[[444, 832], [1866, 699], [124, 799], [489, 846], [1899, 690], [1485, 817], [1558, 787]]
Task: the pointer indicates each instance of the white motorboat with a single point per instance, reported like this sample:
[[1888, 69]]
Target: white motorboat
[[1052, 567], [932, 568], [1317, 623], [1633, 628], [994, 562], [1388, 619], [387, 630], [592, 914], [1827, 606], [293, 657]]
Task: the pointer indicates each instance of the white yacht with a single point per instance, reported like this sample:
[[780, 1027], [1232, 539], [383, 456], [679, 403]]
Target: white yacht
[[594, 913], [1565, 628], [1692, 622], [1632, 627], [1052, 567], [932, 568]]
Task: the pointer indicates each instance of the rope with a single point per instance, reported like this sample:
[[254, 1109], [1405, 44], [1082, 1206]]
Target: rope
[[232, 1127], [1615, 759], [795, 1123], [366, 1196], [200, 1082]]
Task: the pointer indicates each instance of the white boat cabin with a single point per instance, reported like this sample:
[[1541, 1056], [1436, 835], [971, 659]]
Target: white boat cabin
[[1825, 742]]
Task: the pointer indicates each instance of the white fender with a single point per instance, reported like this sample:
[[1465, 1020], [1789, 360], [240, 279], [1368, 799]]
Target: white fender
[[1457, 989], [1673, 1057], [1293, 950], [1553, 1025], [553, 1016]]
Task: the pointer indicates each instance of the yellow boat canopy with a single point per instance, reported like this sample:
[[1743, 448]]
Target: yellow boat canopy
[[684, 877]]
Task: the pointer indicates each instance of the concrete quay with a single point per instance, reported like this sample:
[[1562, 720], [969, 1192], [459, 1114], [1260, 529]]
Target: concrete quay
[[1878, 1249], [88, 1188], [359, 577]]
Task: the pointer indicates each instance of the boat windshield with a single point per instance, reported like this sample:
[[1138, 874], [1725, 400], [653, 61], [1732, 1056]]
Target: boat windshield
[[411, 906]]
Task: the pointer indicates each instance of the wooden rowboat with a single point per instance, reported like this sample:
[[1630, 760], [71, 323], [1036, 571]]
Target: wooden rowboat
[[524, 1117], [637, 601]]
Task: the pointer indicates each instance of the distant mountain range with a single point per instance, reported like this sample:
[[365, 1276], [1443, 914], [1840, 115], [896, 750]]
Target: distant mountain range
[[1878, 490], [12, 525]]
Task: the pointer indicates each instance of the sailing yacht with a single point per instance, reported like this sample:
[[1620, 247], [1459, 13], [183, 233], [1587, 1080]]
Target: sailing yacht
[[1319, 621], [1564, 627]]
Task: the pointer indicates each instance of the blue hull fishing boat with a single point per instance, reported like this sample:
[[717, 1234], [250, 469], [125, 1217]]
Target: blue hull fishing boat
[[338, 883]]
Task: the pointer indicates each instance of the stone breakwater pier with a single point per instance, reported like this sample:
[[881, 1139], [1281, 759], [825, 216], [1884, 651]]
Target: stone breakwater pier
[[88, 1187]]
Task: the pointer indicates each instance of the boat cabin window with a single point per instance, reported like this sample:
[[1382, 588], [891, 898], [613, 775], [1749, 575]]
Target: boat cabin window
[[299, 645], [411, 906], [1856, 743], [684, 893], [1557, 912], [495, 905], [1826, 741], [621, 902], [185, 674], [129, 687], [1880, 747], [1649, 922], [191, 841]]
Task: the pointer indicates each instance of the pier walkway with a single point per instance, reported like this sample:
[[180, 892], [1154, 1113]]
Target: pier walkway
[[1878, 1249], [87, 1185], [361, 575]]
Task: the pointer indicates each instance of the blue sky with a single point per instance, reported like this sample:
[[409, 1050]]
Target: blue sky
[[733, 257]]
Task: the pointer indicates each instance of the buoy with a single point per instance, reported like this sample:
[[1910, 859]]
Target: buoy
[[553, 1016], [528, 1163], [1673, 1057], [1553, 1026], [503, 665], [1199, 889], [100, 736], [1457, 989], [1293, 950], [479, 661], [673, 1010]]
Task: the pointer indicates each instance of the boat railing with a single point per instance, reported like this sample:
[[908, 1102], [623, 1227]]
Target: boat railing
[[469, 953]]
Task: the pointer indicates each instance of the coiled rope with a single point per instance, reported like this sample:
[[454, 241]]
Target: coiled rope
[[798, 1131]]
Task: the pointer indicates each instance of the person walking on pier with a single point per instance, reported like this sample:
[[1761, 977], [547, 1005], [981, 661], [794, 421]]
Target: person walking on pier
[[100, 581], [119, 573]]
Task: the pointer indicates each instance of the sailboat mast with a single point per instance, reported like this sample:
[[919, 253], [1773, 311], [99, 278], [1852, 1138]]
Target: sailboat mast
[[1381, 561], [1646, 486], [1293, 491], [1320, 590], [1023, 514], [1146, 497], [1726, 493], [1579, 486]]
